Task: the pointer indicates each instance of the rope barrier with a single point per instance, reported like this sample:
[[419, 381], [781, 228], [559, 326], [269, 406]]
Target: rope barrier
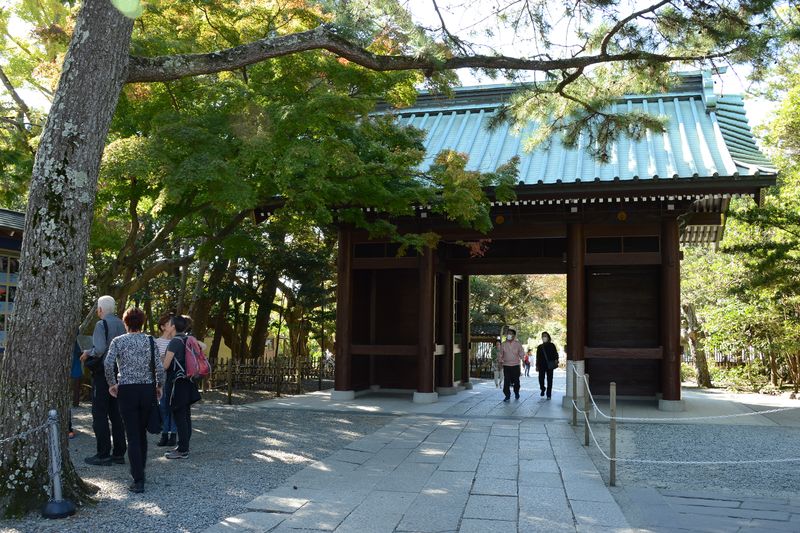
[[674, 418], [616, 460], [24, 434]]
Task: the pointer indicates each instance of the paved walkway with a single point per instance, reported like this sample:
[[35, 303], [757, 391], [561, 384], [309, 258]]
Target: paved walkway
[[473, 463]]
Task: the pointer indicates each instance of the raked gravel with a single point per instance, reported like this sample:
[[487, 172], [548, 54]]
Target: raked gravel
[[237, 453], [697, 442]]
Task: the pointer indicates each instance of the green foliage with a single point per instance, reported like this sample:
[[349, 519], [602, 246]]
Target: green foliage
[[531, 304], [751, 377], [688, 372]]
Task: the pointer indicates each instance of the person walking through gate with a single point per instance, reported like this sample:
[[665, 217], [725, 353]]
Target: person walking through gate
[[104, 406], [510, 356], [497, 366], [527, 362], [141, 376], [546, 362]]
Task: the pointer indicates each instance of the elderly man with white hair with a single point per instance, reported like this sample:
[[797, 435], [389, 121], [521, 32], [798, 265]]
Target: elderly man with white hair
[[104, 406]]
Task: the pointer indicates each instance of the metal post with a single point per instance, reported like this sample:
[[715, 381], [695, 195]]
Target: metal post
[[586, 409], [57, 507], [612, 478], [230, 379], [574, 395]]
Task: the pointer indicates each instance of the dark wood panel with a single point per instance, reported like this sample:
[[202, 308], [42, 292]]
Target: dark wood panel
[[397, 294], [640, 258], [375, 263], [384, 349], [480, 266], [361, 303], [623, 307], [623, 353], [395, 372], [640, 377], [621, 229]]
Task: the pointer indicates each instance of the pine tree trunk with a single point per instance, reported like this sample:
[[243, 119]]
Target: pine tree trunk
[[34, 372], [701, 366], [265, 304]]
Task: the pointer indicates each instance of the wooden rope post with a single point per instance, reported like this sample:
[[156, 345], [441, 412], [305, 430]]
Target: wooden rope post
[[586, 409], [612, 477], [574, 395], [230, 380]]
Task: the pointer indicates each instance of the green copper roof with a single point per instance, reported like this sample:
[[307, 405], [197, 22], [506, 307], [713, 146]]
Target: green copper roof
[[706, 136], [12, 220]]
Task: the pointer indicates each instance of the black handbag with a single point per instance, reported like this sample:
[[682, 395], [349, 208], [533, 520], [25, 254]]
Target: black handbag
[[154, 420]]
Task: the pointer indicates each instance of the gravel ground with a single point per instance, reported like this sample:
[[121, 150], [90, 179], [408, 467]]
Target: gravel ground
[[685, 442], [237, 453]]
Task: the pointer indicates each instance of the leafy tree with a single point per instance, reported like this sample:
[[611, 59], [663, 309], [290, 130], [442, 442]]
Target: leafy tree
[[531, 304]]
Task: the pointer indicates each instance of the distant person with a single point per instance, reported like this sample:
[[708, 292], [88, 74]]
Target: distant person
[[75, 374], [141, 376], [181, 391], [526, 362], [510, 356], [546, 362], [169, 431], [104, 406], [497, 366]]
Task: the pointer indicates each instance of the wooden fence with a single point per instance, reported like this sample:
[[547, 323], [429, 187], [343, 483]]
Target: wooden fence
[[727, 360], [278, 376]]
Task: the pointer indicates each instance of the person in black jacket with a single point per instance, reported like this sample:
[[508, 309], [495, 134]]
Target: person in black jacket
[[546, 362]]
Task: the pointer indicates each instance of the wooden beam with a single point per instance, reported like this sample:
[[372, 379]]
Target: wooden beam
[[623, 353], [465, 326], [576, 293], [343, 377], [379, 263], [425, 346], [637, 258], [534, 265], [446, 320], [670, 311]]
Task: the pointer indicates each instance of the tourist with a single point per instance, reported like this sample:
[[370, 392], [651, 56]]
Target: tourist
[[168, 428], [496, 364], [526, 362], [104, 406], [141, 376], [510, 356], [546, 362], [181, 391]]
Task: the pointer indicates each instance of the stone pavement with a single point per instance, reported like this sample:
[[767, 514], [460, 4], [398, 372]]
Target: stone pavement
[[472, 463]]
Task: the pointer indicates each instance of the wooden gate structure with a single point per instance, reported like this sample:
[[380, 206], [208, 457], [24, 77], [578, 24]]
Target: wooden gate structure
[[614, 229]]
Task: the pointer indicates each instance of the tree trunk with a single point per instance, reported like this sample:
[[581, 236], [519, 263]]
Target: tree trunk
[[693, 334], [245, 332], [202, 301], [34, 372], [265, 303]]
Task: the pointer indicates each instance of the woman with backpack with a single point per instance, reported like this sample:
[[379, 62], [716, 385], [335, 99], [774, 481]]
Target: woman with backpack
[[181, 390]]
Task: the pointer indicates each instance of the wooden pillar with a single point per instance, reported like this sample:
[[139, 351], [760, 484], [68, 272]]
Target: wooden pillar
[[576, 293], [446, 320], [425, 344], [344, 311], [670, 310], [464, 318]]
